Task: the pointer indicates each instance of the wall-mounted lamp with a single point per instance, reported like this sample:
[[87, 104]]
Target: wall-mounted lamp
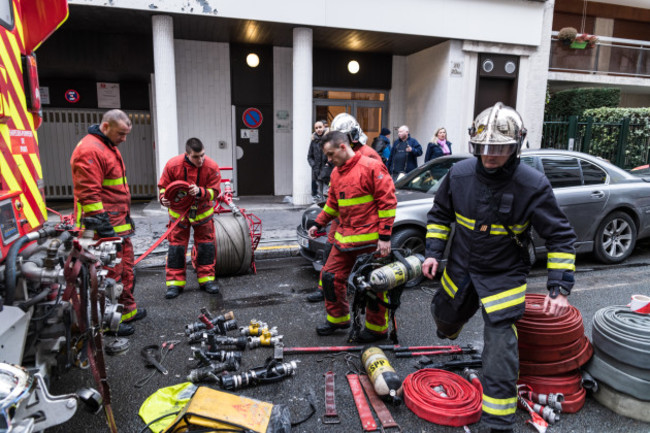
[[252, 60], [353, 66]]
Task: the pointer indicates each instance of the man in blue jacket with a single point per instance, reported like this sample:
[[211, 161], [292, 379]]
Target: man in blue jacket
[[404, 154]]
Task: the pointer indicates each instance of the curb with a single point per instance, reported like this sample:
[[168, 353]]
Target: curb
[[279, 251]]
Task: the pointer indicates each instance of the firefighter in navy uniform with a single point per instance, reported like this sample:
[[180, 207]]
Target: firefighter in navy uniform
[[495, 201], [362, 196], [204, 177]]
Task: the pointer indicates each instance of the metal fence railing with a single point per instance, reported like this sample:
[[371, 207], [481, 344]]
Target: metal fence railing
[[621, 142]]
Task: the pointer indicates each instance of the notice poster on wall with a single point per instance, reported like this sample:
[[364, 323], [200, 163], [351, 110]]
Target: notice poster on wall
[[108, 95], [45, 95]]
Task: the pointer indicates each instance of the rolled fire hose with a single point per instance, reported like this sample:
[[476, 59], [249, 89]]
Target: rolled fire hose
[[622, 404], [551, 345], [621, 339], [442, 397], [568, 384]]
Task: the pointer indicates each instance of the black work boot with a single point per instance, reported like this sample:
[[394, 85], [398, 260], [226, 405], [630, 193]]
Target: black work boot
[[173, 292], [367, 336], [316, 296], [141, 314], [124, 330], [329, 328], [211, 287]]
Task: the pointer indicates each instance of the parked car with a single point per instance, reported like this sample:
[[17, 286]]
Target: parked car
[[608, 207]]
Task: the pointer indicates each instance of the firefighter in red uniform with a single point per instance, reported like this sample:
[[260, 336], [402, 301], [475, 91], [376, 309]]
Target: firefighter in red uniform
[[346, 124], [203, 175], [362, 196], [103, 200]]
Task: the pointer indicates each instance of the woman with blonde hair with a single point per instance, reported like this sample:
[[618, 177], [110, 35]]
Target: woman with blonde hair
[[439, 145]]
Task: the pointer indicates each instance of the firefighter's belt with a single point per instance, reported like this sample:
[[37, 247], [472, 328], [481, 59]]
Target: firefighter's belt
[[217, 409]]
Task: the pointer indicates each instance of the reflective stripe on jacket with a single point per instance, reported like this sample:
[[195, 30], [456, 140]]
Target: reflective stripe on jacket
[[482, 253], [99, 181], [362, 196], [207, 178]]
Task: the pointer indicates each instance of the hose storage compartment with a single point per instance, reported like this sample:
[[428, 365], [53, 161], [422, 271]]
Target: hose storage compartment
[[234, 247]]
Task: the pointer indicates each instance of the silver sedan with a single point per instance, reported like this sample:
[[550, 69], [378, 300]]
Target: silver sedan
[[608, 207]]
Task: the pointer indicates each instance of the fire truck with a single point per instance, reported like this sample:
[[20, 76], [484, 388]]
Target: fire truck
[[55, 299]]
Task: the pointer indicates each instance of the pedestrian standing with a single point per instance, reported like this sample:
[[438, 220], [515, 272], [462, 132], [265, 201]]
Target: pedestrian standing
[[362, 196], [102, 201], [494, 202], [439, 145], [204, 178], [404, 153], [320, 169]]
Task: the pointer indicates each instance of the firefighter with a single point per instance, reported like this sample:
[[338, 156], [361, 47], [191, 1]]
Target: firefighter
[[203, 175], [103, 201], [495, 201], [362, 196], [346, 124]]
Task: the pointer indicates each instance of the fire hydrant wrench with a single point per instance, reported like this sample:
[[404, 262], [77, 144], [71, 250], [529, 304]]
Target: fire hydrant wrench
[[150, 355]]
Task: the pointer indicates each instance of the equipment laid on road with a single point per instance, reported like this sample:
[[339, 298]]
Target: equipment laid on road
[[331, 416], [454, 364], [271, 372], [567, 388], [621, 339], [384, 379], [208, 373], [436, 350], [207, 321], [392, 347], [222, 411], [444, 398], [371, 276], [640, 304], [551, 345]]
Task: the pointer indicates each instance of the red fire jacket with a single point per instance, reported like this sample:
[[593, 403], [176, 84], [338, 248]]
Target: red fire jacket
[[207, 178], [362, 196], [99, 179]]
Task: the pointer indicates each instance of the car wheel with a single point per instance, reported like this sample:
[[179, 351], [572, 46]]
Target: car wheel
[[615, 238], [410, 238]]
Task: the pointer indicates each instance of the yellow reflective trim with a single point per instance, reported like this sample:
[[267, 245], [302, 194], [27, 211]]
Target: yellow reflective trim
[[161, 190], [10, 180], [448, 284], [465, 222], [12, 74], [498, 229], [128, 315], [561, 261], [500, 301], [113, 182], [92, 207], [205, 279], [330, 211], [499, 406], [342, 319], [175, 283], [355, 201], [387, 213], [173, 214], [37, 164], [211, 191], [122, 228], [438, 231], [33, 189], [79, 212], [514, 328], [203, 216], [356, 238], [376, 328]]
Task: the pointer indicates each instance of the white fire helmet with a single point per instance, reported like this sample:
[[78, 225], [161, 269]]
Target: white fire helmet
[[497, 131], [347, 124]]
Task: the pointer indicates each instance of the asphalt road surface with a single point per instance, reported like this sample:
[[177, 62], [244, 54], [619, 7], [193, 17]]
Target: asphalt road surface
[[276, 295]]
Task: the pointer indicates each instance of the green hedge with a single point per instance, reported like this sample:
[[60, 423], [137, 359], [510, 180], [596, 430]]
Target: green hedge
[[575, 101], [605, 133]]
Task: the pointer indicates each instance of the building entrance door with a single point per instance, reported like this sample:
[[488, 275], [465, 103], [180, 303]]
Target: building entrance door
[[369, 108]]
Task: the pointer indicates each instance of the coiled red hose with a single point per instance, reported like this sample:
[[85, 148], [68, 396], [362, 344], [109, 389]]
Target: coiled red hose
[[442, 397], [178, 195], [569, 384], [551, 345]]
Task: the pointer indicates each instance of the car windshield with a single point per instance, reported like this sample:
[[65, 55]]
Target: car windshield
[[427, 177]]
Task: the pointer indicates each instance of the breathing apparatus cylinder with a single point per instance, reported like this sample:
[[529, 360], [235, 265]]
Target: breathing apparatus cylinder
[[396, 273], [384, 379]]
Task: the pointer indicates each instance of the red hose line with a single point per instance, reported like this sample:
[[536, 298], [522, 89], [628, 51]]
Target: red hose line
[[178, 195], [569, 384], [423, 394]]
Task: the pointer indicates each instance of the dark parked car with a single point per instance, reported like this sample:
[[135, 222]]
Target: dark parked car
[[608, 207]]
